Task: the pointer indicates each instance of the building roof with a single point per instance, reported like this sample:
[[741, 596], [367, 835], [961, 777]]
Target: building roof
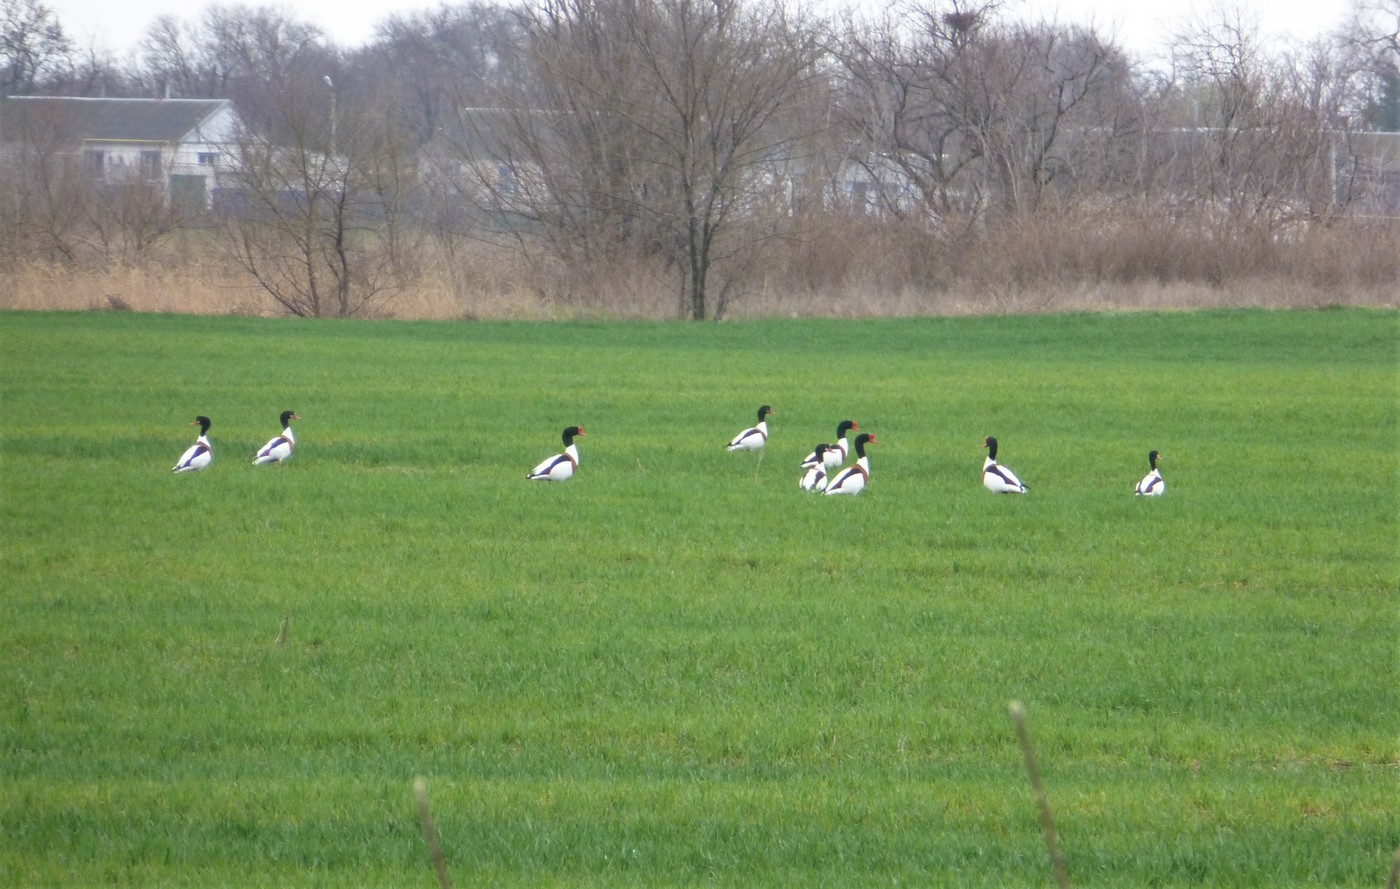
[[114, 120]]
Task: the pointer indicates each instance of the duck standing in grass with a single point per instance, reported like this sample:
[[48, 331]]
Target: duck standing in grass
[[281, 446], [836, 452], [814, 478], [1151, 484], [852, 479], [754, 437], [997, 477], [198, 455], [561, 466]]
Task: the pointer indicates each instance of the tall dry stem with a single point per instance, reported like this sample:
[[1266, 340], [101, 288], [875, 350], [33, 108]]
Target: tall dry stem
[[430, 834], [1047, 823]]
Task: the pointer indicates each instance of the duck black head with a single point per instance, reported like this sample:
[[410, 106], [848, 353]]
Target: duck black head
[[570, 432], [990, 444], [1152, 457], [287, 417], [763, 412], [203, 423], [862, 440], [846, 426]]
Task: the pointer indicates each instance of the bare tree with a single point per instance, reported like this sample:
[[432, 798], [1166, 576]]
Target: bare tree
[[235, 52], [315, 213], [92, 72], [725, 73], [288, 228], [1371, 39], [426, 65], [32, 44], [648, 132], [979, 118], [1262, 137], [173, 63]]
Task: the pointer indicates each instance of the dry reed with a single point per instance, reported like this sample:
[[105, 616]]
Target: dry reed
[[831, 268]]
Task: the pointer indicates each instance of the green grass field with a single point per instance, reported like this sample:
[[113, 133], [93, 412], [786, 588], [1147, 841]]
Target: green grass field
[[676, 669]]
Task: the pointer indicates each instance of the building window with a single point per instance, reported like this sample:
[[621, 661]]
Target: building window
[[96, 161], [208, 158], [150, 164], [506, 181]]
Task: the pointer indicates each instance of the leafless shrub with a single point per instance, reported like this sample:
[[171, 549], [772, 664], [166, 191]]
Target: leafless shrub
[[1083, 259]]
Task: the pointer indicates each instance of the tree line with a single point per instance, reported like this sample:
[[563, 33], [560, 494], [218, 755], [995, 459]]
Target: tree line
[[705, 148]]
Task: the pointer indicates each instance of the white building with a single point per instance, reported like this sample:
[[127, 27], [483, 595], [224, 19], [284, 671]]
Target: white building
[[179, 144]]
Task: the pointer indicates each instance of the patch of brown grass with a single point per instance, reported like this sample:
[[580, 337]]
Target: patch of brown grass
[[190, 289], [835, 267], [1084, 262]]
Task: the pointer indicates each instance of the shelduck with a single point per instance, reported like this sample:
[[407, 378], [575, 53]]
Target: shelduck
[[852, 479], [281, 446], [1151, 484], [197, 455], [755, 437], [835, 452], [997, 477], [814, 478], [561, 466]]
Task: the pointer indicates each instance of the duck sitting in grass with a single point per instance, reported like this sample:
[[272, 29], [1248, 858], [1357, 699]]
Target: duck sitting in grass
[[198, 455]]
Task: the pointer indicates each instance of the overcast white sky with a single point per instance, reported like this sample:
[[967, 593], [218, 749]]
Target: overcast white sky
[[1139, 25]]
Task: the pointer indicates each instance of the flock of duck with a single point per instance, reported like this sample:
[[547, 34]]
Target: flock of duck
[[828, 457], [200, 454], [822, 470]]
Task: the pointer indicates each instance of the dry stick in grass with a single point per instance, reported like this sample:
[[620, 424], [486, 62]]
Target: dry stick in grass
[[420, 790], [1047, 824], [1394, 871], [282, 633]]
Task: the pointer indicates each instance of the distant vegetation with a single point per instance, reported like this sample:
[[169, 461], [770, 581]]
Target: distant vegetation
[[702, 159]]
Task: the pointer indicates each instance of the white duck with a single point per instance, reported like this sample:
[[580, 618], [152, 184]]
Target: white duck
[[561, 466], [197, 455], [835, 452], [997, 477], [1151, 484], [280, 447], [852, 479], [755, 437], [814, 479]]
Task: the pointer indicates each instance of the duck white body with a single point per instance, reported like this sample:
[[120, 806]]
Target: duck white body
[[280, 447], [755, 437], [996, 477], [198, 455], [562, 466], [814, 478], [853, 479], [836, 452], [1151, 484]]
